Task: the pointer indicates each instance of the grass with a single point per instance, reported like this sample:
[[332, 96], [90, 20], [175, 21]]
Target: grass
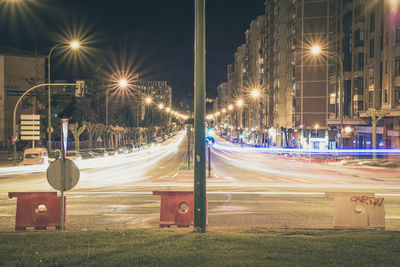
[[217, 247]]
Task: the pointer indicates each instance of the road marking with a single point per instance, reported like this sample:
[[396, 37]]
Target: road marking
[[224, 193]]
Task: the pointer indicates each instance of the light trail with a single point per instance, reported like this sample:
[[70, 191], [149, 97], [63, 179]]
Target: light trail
[[307, 151], [150, 155]]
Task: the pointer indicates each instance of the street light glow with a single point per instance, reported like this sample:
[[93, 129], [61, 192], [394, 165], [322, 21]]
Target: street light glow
[[230, 107], [316, 50], [239, 103], [75, 44], [255, 93], [148, 100], [168, 110], [161, 106], [224, 110], [348, 129], [123, 83]]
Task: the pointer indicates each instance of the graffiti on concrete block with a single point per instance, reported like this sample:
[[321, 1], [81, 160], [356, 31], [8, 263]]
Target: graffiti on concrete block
[[371, 201]]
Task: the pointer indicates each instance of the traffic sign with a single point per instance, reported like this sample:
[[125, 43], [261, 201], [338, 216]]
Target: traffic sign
[[30, 127], [55, 176], [30, 117]]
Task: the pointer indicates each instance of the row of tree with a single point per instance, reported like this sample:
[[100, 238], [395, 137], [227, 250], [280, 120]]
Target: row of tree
[[99, 134]]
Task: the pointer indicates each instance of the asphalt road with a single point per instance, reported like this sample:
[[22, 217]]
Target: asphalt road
[[247, 188]]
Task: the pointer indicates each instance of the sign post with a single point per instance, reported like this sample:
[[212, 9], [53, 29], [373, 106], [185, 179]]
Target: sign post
[[63, 174]]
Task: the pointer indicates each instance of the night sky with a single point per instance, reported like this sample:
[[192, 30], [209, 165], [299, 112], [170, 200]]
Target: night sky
[[151, 38]]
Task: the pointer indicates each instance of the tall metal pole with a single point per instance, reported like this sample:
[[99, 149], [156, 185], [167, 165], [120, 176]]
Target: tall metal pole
[[107, 117], [341, 98], [49, 94], [200, 199], [189, 133], [15, 111]]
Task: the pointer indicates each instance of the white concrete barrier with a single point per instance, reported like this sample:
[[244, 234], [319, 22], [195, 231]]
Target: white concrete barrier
[[358, 210]]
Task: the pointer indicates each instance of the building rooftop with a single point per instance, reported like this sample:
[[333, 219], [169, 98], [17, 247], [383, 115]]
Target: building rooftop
[[12, 51]]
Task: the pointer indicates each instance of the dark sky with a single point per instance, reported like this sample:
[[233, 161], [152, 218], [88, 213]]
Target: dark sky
[[151, 38]]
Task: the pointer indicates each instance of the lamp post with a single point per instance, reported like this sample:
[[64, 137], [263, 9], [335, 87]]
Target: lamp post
[[123, 84], [73, 45], [316, 50], [15, 110]]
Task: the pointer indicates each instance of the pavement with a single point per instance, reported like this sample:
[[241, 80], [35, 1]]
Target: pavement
[[246, 188]]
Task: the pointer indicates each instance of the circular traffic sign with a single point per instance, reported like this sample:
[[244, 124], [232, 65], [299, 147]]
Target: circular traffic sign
[[55, 177]]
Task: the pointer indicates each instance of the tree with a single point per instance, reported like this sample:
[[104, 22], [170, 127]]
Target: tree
[[76, 131], [375, 117], [91, 129]]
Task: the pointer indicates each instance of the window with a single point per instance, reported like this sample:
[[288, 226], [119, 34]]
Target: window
[[398, 35], [359, 38], [397, 95], [386, 96], [371, 48], [397, 65], [358, 106], [358, 85], [26, 103], [372, 22], [371, 99], [386, 66], [371, 75], [359, 62]]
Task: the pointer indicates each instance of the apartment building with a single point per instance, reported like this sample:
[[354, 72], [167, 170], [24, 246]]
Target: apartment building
[[19, 71]]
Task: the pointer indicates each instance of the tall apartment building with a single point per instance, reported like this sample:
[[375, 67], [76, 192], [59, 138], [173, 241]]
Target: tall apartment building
[[367, 37], [307, 100], [19, 71]]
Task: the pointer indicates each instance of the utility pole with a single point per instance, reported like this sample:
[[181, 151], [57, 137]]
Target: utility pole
[[200, 198], [189, 133]]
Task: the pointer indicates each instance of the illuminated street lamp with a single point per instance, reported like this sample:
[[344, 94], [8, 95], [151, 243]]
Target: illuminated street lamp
[[161, 106], [239, 103], [224, 110], [230, 107], [148, 100], [123, 83], [73, 45], [255, 93], [168, 110], [316, 50]]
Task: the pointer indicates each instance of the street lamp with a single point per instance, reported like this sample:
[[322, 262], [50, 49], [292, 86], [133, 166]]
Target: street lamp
[[73, 45], [123, 84], [316, 50], [255, 93]]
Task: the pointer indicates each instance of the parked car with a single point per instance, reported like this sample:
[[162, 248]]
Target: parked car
[[100, 152], [122, 150], [129, 147], [73, 155], [111, 151], [54, 155], [87, 154], [33, 156]]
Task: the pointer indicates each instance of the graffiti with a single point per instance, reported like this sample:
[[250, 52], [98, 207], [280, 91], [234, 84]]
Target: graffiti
[[372, 201]]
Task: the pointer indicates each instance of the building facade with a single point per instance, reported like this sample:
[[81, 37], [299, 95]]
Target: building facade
[[19, 71], [308, 100]]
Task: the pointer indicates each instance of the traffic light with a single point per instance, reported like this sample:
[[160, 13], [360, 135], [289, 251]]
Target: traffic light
[[80, 88]]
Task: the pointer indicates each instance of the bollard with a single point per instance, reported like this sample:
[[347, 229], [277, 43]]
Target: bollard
[[37, 209], [176, 208], [357, 210]]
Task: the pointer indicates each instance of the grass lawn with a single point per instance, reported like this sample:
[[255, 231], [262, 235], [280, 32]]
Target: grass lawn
[[217, 247]]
